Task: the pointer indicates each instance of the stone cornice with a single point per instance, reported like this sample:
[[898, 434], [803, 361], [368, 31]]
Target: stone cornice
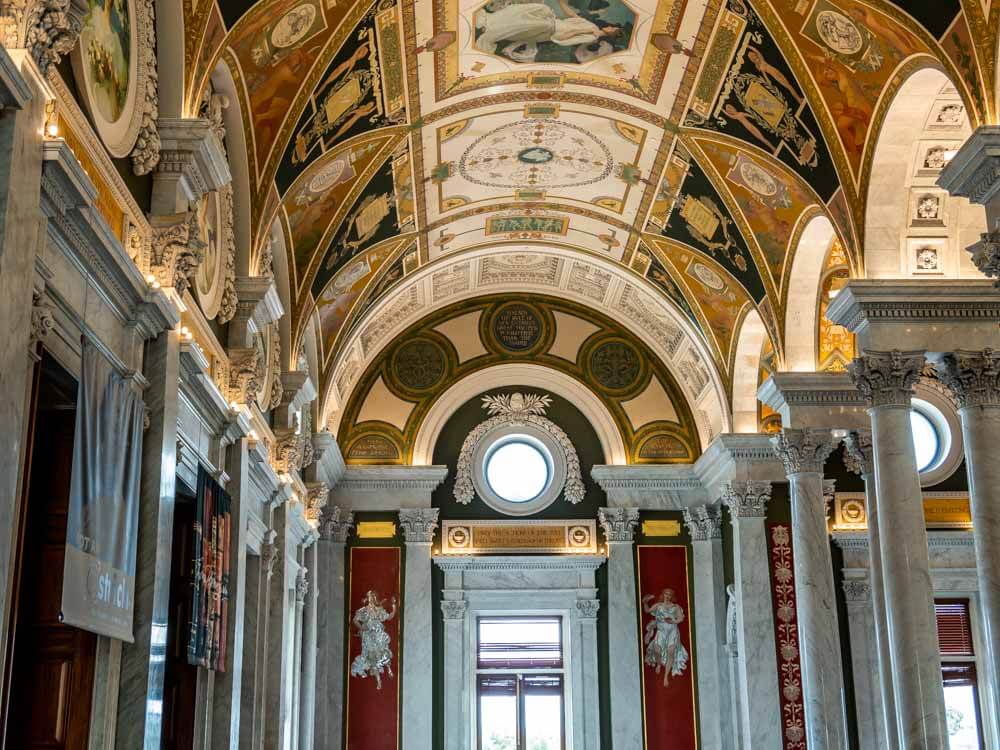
[[974, 172], [814, 399], [14, 90], [376, 478], [494, 563], [644, 486], [260, 295], [192, 153]]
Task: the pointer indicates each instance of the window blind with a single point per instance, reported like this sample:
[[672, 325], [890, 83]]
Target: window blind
[[954, 627], [519, 642]]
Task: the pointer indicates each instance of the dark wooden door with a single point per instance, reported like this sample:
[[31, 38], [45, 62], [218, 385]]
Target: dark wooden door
[[180, 679], [53, 677]]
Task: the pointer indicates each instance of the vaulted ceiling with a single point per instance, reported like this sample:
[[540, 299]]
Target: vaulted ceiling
[[689, 141]]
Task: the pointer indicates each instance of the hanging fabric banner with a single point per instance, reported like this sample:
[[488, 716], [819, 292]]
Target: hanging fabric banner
[[667, 651], [210, 593], [373, 681], [101, 531], [793, 718]]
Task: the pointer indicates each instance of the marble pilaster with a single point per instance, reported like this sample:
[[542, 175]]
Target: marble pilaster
[[886, 381], [455, 714], [974, 378], [760, 709], [276, 657], [584, 619], [860, 460], [254, 646], [307, 693], [623, 628], [715, 717], [418, 525], [803, 453], [143, 662], [298, 642], [864, 663], [335, 527]]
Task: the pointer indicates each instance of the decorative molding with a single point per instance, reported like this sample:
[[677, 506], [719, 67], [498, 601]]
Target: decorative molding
[[829, 495], [986, 254], [176, 250], [747, 498], [423, 479], [316, 498], [856, 591], [301, 585], [803, 450], [48, 29], [146, 149], [618, 523], [454, 609], [336, 524], [42, 318], [858, 455], [191, 156], [703, 523], [972, 376], [887, 378], [519, 563], [587, 609], [418, 524], [14, 90], [974, 172]]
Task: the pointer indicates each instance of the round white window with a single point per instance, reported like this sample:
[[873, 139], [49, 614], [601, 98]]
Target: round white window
[[926, 441], [518, 469]]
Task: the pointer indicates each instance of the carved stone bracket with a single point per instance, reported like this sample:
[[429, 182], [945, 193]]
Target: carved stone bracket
[[316, 499], [42, 319], [336, 524], [858, 456], [418, 524], [747, 499], [829, 495], [887, 378], [192, 160], [245, 376], [972, 376], [48, 29], [986, 254], [703, 523], [176, 250], [287, 452], [803, 450], [618, 523]]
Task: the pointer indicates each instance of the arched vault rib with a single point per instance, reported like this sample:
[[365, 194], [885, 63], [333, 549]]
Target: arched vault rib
[[596, 283]]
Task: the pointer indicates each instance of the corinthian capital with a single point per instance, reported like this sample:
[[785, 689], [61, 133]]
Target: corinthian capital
[[886, 378], [418, 524], [177, 249], [858, 456], [802, 450], [318, 493], [703, 523], [986, 254], [973, 377], [618, 523], [747, 499], [336, 524]]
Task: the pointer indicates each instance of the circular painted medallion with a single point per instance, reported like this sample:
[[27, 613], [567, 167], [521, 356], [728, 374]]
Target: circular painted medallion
[[839, 32], [293, 26], [517, 327], [537, 154], [708, 277], [419, 364], [759, 180], [615, 365]]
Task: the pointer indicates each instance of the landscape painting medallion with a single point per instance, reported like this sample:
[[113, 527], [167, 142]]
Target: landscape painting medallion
[[571, 32], [105, 65]]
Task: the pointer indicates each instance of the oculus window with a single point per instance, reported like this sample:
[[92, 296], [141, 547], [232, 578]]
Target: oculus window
[[931, 435], [518, 469], [519, 683]]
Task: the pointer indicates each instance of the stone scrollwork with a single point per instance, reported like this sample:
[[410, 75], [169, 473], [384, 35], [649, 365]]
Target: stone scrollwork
[[288, 452], [301, 585], [245, 373], [747, 499], [858, 456], [986, 254], [454, 609], [316, 499], [887, 378], [42, 318], [336, 524], [146, 150], [514, 409], [703, 523], [618, 523], [47, 28], [803, 450], [176, 250], [972, 376], [856, 590], [587, 609], [418, 524]]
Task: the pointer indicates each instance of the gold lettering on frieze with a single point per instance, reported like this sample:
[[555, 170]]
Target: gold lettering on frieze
[[472, 537]]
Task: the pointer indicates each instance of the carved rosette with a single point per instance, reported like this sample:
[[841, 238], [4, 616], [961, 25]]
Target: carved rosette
[[418, 524], [802, 450], [856, 591], [972, 376], [887, 378], [858, 456], [747, 499], [703, 523], [454, 609], [176, 250], [986, 254], [618, 523], [587, 609], [336, 524], [316, 499]]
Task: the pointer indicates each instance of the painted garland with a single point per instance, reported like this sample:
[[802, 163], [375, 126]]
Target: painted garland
[[515, 409]]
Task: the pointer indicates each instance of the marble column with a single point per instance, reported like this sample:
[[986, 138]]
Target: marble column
[[456, 718], [864, 663], [335, 526], [623, 628], [974, 378], [141, 697], [307, 693], [298, 638], [226, 695], [418, 525], [715, 718], [803, 453], [886, 379], [859, 459], [760, 719]]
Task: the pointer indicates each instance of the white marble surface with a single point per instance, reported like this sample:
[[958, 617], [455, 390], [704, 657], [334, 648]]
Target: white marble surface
[[330, 643], [623, 649], [909, 595], [307, 693], [417, 656], [981, 433], [816, 611], [864, 664]]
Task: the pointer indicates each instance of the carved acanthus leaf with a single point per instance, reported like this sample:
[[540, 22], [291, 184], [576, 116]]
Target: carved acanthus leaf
[[972, 376], [177, 250], [887, 378], [618, 523], [146, 151], [316, 500]]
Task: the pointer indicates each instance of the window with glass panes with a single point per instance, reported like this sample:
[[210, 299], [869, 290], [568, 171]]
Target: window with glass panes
[[958, 671], [520, 695]]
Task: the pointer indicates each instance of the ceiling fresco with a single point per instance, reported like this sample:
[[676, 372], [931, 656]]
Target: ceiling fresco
[[689, 141]]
